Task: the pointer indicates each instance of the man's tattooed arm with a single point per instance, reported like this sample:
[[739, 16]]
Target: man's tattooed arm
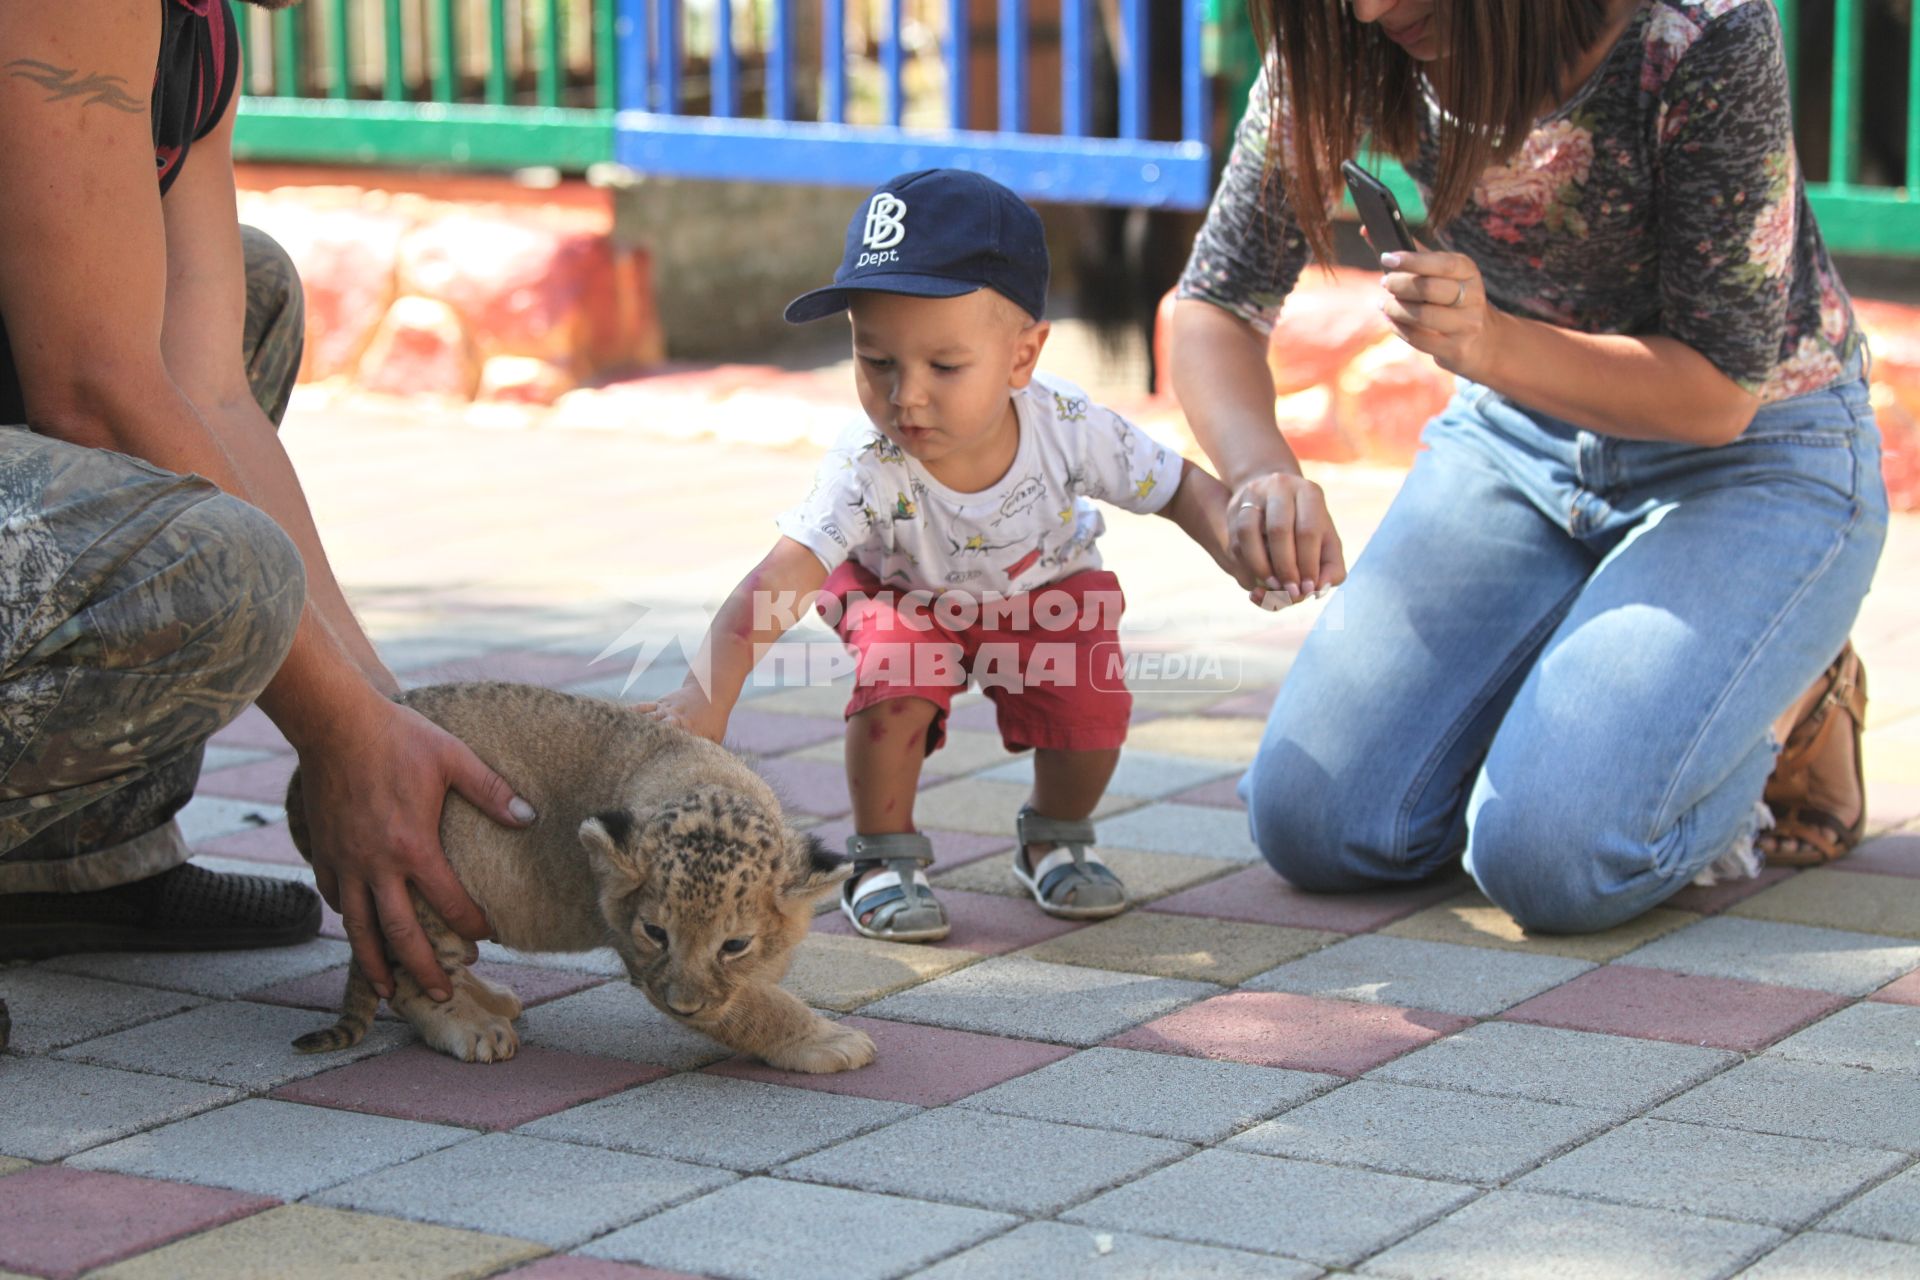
[[62, 83]]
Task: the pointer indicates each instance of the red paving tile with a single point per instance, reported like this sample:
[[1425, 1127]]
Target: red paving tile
[[270, 843], [527, 666], [1219, 793], [1900, 991], [251, 731], [951, 848], [264, 781], [532, 984], [926, 1066], [1304, 1033], [417, 1083], [59, 1222], [765, 733], [1261, 897], [591, 1269], [1653, 1004], [985, 923], [808, 786], [1889, 855], [1714, 899]]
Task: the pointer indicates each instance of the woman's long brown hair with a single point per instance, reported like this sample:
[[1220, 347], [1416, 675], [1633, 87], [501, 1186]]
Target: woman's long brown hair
[[1502, 61]]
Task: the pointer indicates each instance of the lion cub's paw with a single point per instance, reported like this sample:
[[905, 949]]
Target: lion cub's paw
[[830, 1048], [462, 1028]]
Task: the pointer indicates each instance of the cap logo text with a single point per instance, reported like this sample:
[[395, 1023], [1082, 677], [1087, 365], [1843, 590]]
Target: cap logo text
[[885, 221]]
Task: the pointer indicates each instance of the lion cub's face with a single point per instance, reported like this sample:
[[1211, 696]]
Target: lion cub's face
[[706, 896]]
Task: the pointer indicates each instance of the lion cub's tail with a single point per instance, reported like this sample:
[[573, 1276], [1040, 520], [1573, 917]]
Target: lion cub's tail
[[356, 1015]]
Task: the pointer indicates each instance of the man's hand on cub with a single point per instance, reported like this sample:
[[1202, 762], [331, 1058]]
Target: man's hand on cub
[[688, 708]]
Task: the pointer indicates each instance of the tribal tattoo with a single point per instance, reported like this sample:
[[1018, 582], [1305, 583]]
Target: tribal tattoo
[[62, 83]]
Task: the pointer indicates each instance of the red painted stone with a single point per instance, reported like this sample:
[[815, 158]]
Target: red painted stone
[[984, 923], [59, 1222], [1303, 1033], [808, 786], [262, 781], [422, 347], [524, 380], [1900, 991], [344, 246], [1262, 897], [1653, 1004], [534, 986], [251, 731], [925, 1066], [1385, 397], [768, 733]]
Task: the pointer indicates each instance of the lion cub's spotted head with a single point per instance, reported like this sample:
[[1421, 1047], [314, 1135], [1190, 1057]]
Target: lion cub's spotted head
[[706, 895]]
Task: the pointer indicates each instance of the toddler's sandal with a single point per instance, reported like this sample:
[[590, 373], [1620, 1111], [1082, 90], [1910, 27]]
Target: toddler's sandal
[[900, 899], [1070, 881]]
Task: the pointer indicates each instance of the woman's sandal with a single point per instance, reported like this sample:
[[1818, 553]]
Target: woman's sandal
[[1807, 791], [900, 899], [1069, 881]]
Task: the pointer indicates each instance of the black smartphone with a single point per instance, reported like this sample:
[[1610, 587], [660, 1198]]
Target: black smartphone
[[1379, 211]]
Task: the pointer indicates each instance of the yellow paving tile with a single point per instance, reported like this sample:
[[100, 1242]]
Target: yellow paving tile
[[1169, 946], [833, 971], [987, 807], [1471, 920], [1147, 875], [9, 1165], [300, 1242], [1229, 738], [1835, 899]]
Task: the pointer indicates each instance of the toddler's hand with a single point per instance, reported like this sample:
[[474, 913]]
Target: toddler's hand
[[687, 708]]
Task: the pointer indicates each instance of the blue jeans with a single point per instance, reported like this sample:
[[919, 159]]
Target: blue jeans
[[1561, 655]]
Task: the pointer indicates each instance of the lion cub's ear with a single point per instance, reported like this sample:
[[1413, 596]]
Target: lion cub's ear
[[608, 838], [812, 868]]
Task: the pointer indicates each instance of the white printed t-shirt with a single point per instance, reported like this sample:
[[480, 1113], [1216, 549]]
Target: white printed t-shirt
[[873, 504]]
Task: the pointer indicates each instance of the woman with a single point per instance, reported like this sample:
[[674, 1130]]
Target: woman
[[1646, 520]]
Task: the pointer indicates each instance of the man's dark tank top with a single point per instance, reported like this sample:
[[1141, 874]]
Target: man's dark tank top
[[195, 78]]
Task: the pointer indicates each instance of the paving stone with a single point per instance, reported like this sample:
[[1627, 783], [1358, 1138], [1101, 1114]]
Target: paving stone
[[1275, 1029], [1262, 897], [986, 1160], [1223, 951], [1819, 1256], [303, 1242], [1316, 1212], [1157, 1094], [736, 1124], [251, 731], [763, 733], [557, 1193], [1061, 1252], [988, 808], [1711, 900], [207, 973], [271, 844], [950, 848], [1231, 740], [603, 962], [1515, 1235], [831, 971], [807, 786], [615, 1021], [52, 1010], [208, 817], [1787, 955], [1851, 900], [1611, 1074], [520, 666], [577, 1268], [1808, 1100], [1032, 1000], [262, 781], [56, 1108], [1879, 1037], [9, 1165], [1146, 774], [1654, 1004], [1196, 830], [1222, 793], [800, 1232], [1900, 991], [272, 1148], [925, 1066], [1428, 1133], [232, 1043], [213, 759], [965, 751], [983, 923], [1887, 855], [1147, 875], [1475, 981], [534, 986], [1891, 1211], [1724, 1173], [800, 700], [418, 1083], [59, 1222], [1471, 920]]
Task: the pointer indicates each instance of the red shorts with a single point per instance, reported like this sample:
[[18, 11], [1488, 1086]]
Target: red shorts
[[1049, 658]]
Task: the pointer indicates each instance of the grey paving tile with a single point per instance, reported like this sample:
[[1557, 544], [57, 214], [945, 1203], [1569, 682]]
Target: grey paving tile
[[210, 817], [207, 973], [1787, 955], [1159, 1094], [53, 1108], [1515, 1235], [1475, 981], [986, 1160], [1727, 1173], [605, 961], [1808, 1100], [232, 1042], [1315, 1212], [1199, 830], [1880, 1037], [1429, 1133], [1819, 1256], [1148, 774], [717, 1120], [279, 1149], [1061, 1252], [1890, 1211], [1611, 1074], [1015, 996], [799, 1232], [557, 1193], [52, 1010], [615, 1021]]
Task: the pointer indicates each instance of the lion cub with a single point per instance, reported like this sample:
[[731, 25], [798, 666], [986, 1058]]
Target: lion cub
[[650, 840]]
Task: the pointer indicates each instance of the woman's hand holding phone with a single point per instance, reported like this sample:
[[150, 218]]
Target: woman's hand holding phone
[[1437, 302]]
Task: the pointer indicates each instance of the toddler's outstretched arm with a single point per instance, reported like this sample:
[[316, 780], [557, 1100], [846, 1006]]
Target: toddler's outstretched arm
[[775, 594], [1199, 507]]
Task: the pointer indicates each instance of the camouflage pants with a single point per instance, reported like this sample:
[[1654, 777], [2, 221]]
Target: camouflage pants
[[139, 612]]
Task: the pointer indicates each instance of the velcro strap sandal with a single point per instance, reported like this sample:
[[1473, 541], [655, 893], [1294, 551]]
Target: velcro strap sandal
[[1070, 881], [900, 899]]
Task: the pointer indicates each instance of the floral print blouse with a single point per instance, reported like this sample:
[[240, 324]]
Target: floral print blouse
[[1662, 198]]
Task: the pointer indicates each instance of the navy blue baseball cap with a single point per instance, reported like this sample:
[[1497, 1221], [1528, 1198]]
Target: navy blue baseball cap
[[937, 233]]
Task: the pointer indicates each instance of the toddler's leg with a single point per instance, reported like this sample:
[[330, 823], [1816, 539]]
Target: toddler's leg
[[1067, 786], [886, 745]]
